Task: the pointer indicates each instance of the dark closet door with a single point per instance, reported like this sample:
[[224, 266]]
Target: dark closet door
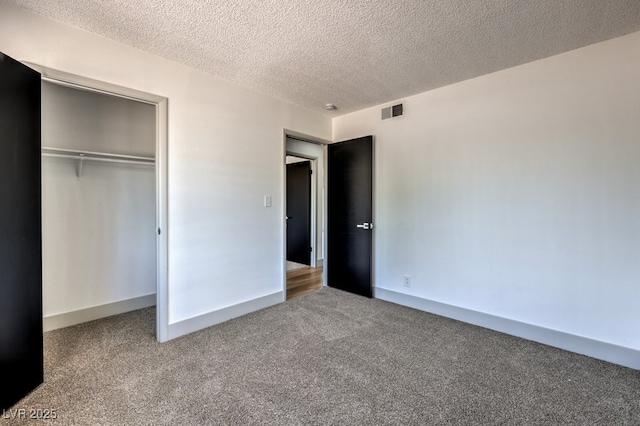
[[349, 215], [21, 358], [299, 212]]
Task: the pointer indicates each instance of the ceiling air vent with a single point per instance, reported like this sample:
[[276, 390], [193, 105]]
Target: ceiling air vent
[[393, 111]]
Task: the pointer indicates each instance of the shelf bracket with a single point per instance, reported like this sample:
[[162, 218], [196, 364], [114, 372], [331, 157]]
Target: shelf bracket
[[80, 163]]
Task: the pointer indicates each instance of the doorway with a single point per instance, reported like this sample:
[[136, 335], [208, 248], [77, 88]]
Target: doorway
[[304, 220], [79, 166], [299, 212], [346, 203]]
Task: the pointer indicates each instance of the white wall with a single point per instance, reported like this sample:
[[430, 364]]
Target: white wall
[[518, 193], [98, 234], [83, 120], [225, 154]]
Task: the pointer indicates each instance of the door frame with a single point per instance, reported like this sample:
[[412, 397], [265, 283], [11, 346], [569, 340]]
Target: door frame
[[283, 205], [161, 162]]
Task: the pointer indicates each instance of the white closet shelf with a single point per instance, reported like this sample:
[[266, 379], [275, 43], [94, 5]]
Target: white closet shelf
[[81, 156], [97, 156]]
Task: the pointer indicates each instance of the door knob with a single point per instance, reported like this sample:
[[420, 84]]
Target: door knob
[[365, 225]]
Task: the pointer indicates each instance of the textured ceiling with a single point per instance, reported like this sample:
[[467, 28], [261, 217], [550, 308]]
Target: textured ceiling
[[353, 53]]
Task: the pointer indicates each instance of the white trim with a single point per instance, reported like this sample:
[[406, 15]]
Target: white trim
[[67, 319], [162, 219], [304, 138], [225, 314], [88, 87], [83, 83], [325, 201], [283, 215], [616, 354], [162, 207], [374, 217]]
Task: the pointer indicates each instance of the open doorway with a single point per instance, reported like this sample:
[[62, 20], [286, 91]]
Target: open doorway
[[304, 216], [104, 200], [299, 212], [345, 201]]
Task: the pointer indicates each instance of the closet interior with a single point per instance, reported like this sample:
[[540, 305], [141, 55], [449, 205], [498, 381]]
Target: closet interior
[[98, 204]]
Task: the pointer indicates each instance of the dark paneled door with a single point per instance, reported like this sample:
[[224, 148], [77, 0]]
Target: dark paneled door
[[349, 215], [21, 357], [299, 212]]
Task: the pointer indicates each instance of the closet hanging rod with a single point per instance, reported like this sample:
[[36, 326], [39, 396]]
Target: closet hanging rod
[[96, 156], [81, 156], [106, 160]]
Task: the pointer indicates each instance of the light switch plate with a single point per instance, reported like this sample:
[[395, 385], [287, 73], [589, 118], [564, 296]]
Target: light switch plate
[[267, 201]]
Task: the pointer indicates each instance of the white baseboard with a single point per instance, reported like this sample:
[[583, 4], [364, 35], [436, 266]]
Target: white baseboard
[[53, 322], [616, 354], [225, 314]]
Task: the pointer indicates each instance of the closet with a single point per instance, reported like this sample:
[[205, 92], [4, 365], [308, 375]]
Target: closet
[[98, 204]]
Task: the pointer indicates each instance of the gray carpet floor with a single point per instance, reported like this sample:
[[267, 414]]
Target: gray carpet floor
[[323, 358]]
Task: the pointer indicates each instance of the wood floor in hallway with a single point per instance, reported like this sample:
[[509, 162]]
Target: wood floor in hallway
[[302, 281]]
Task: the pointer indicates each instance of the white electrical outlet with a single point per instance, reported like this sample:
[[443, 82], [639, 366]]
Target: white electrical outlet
[[407, 281]]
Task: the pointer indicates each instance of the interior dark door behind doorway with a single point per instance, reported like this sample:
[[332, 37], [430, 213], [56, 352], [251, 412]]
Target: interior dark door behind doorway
[[21, 360], [349, 215], [299, 212]]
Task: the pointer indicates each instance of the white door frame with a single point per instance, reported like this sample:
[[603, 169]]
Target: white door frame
[[161, 104], [311, 140]]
